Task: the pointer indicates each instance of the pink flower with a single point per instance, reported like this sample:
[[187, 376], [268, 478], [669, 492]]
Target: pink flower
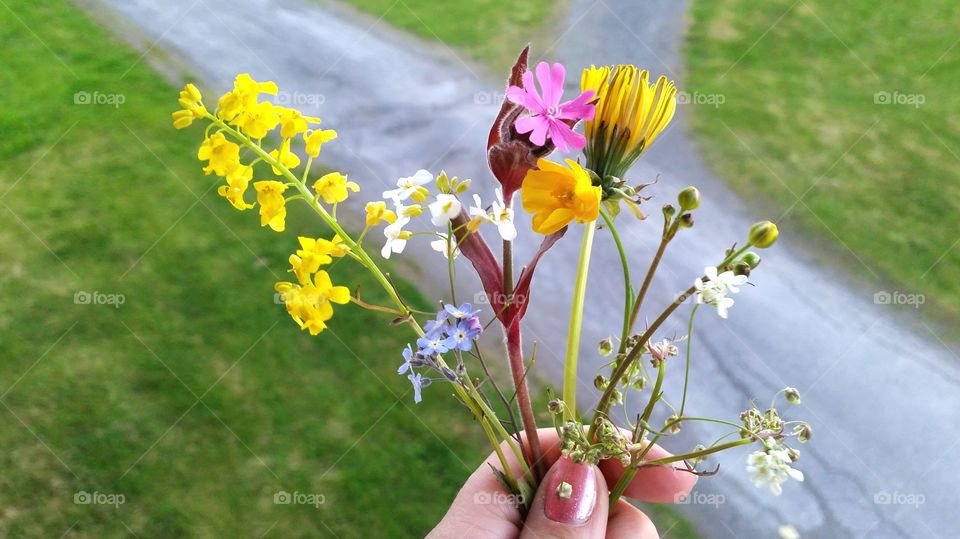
[[548, 117]]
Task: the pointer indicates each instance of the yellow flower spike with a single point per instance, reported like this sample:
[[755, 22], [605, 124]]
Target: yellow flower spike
[[333, 187], [315, 139], [556, 195], [285, 157], [273, 209], [221, 154], [630, 114], [237, 181], [377, 213]]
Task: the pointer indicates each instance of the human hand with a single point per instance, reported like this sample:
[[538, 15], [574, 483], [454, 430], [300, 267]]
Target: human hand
[[484, 507]]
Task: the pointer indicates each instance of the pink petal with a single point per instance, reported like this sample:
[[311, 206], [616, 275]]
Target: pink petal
[[579, 108], [551, 82], [531, 89], [526, 124], [563, 136], [540, 129], [524, 98]]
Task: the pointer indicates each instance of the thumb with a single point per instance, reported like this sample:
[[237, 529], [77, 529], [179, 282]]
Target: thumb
[[571, 502]]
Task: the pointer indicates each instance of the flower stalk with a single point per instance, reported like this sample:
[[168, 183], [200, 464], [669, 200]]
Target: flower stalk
[[576, 323]]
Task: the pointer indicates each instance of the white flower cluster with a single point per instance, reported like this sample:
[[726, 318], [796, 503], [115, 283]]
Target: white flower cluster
[[713, 289], [771, 466], [443, 209]]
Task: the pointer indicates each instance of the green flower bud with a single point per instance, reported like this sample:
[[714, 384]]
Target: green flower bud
[[792, 395], [674, 422], [443, 182], [600, 382], [803, 431], [793, 454], [741, 268], [555, 406], [763, 234], [669, 211], [751, 258], [686, 220], [689, 199], [606, 347]]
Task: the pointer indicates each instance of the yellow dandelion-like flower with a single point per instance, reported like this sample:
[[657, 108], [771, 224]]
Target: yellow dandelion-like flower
[[556, 195], [630, 114]]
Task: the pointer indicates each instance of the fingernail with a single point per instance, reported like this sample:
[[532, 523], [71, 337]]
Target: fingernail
[[571, 492]]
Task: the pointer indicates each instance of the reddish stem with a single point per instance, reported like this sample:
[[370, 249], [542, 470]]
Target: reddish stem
[[515, 354]]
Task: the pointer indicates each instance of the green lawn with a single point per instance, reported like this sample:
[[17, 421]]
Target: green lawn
[[850, 107], [103, 399], [490, 30]]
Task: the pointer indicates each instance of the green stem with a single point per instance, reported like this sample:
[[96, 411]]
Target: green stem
[[686, 372], [576, 323], [627, 286]]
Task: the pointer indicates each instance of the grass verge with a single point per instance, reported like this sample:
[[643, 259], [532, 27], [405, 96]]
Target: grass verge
[[197, 399], [840, 115]]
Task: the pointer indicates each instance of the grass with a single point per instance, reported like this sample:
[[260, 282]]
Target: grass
[[804, 117], [197, 399], [489, 30]]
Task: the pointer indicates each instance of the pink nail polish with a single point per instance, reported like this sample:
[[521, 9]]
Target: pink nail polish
[[571, 492]]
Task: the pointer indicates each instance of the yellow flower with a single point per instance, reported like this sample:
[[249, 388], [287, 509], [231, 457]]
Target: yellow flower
[[333, 187], [273, 209], [378, 212], [237, 181], [557, 195], [337, 247], [258, 119], [285, 157], [310, 305], [293, 122], [630, 114], [244, 94], [221, 154], [317, 138], [192, 107]]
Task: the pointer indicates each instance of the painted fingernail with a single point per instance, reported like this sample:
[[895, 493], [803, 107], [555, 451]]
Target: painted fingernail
[[571, 492]]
